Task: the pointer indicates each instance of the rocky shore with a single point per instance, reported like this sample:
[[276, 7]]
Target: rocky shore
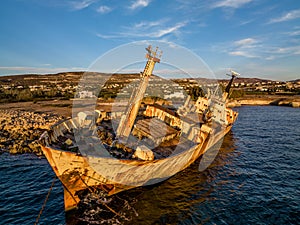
[[293, 101], [20, 130]]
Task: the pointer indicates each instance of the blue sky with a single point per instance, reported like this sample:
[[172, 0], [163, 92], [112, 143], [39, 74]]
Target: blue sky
[[258, 38]]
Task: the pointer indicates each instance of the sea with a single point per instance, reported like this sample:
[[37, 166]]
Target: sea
[[254, 179]]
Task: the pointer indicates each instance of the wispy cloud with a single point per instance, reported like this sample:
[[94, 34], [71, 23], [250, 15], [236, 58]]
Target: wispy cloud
[[231, 3], [110, 36], [81, 4], [247, 42], [280, 52], [155, 29], [168, 30], [104, 9], [243, 23], [193, 7], [147, 29], [294, 33], [139, 4], [257, 48], [291, 15], [247, 47], [293, 50], [196, 9], [243, 53], [149, 24]]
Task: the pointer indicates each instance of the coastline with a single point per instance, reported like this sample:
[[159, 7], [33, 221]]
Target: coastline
[[22, 123], [290, 101]]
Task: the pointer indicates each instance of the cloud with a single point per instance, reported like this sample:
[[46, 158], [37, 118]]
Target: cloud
[[294, 33], [149, 24], [231, 3], [154, 29], [81, 4], [291, 15], [266, 52], [268, 49], [139, 4], [281, 52], [168, 30], [242, 53], [110, 36], [150, 29], [294, 50], [243, 23], [245, 42], [104, 9], [247, 47]]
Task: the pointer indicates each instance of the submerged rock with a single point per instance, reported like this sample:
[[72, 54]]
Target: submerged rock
[[96, 207]]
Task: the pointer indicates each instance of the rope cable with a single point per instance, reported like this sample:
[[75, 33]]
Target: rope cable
[[45, 201]]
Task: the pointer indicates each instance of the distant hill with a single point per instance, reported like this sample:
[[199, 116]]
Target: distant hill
[[73, 78], [248, 80], [37, 79], [295, 81]]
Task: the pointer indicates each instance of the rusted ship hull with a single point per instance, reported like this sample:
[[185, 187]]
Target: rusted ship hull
[[77, 173], [149, 145]]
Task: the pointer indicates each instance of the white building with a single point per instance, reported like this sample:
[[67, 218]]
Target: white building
[[86, 94]]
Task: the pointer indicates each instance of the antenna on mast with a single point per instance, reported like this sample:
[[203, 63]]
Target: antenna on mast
[[152, 54], [233, 75]]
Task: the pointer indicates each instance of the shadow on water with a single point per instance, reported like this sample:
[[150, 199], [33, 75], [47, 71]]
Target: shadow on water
[[178, 200]]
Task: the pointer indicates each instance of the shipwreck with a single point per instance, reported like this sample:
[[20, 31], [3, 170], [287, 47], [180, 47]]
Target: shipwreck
[[146, 144]]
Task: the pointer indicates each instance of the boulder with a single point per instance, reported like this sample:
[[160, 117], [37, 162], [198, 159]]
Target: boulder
[[69, 141], [14, 149], [144, 153], [296, 104]]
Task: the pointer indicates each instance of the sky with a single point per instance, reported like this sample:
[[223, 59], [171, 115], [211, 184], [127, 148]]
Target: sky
[[257, 38]]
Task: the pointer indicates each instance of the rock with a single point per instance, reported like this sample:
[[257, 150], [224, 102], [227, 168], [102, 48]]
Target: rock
[[144, 153], [35, 147], [26, 149], [14, 149], [20, 130], [295, 104], [233, 103], [69, 141]]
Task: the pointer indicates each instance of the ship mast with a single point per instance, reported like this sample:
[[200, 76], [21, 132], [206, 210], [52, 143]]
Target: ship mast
[[227, 89], [128, 119]]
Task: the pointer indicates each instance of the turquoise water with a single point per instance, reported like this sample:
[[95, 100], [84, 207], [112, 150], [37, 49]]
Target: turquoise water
[[254, 179]]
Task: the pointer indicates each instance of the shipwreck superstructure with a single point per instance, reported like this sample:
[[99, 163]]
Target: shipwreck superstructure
[[148, 144]]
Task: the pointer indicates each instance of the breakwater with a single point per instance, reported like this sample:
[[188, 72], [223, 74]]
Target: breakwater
[[20, 130]]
